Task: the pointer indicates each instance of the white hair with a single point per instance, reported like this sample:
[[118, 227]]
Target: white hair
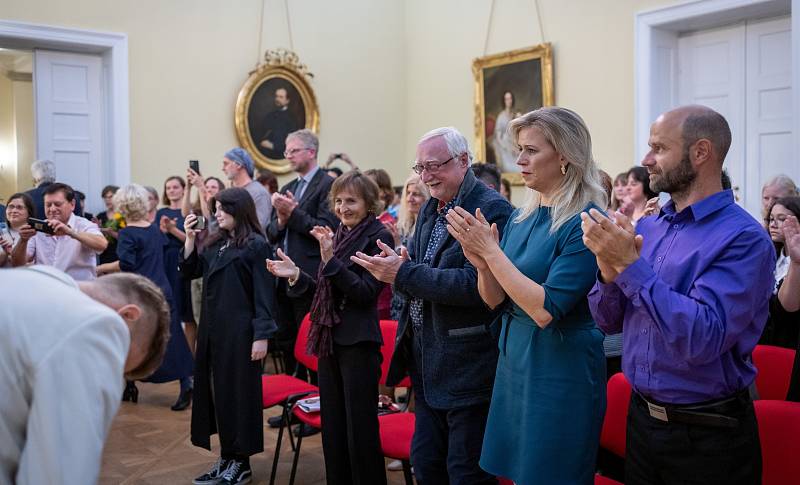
[[43, 171], [784, 182], [456, 143], [132, 202]]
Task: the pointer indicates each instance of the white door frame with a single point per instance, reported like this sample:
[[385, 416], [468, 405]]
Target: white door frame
[[655, 51], [113, 47]]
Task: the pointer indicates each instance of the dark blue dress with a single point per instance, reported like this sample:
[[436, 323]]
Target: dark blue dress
[[141, 251], [180, 289], [549, 395]]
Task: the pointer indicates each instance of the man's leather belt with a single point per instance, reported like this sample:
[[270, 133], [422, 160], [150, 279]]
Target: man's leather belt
[[708, 414]]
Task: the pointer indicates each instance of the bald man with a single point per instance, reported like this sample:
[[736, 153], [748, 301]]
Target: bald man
[[690, 288], [64, 347]]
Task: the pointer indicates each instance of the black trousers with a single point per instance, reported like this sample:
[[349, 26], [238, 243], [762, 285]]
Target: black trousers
[[348, 388], [447, 443], [658, 452]]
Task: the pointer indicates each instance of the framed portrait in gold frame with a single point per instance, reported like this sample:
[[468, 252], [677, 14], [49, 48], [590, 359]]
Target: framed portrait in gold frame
[[276, 99], [507, 85]]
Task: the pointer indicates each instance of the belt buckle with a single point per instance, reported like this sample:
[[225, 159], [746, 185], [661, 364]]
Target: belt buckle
[[658, 412]]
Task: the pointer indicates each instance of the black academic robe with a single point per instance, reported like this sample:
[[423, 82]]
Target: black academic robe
[[238, 305]]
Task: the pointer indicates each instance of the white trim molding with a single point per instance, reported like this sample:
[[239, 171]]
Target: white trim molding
[[655, 50], [113, 47]]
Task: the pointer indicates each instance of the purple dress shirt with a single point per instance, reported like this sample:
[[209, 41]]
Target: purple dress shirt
[[694, 304]]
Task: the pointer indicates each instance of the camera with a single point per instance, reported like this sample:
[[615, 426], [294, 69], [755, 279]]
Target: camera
[[40, 225], [200, 224]]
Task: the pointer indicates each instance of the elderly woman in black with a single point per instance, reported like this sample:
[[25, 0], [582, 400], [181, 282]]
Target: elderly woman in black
[[238, 300], [345, 333]]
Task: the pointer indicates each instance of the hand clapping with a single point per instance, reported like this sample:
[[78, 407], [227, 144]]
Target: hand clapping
[[283, 268], [614, 243], [324, 235], [384, 266], [791, 236], [477, 238]]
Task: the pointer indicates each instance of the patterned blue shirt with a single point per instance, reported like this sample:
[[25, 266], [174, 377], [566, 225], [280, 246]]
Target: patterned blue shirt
[[438, 235]]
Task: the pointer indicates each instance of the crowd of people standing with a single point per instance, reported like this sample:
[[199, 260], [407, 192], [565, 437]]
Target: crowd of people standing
[[510, 319]]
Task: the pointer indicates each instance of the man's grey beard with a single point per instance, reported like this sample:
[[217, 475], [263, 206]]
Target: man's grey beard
[[676, 180]]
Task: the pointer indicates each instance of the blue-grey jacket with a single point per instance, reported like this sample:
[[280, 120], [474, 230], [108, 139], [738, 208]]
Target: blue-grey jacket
[[459, 352]]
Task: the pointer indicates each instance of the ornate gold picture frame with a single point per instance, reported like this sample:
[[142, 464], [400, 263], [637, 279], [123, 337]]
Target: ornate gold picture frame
[[507, 85], [276, 99]]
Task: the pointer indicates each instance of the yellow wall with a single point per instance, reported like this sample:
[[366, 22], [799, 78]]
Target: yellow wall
[[8, 167], [385, 71], [24, 132]]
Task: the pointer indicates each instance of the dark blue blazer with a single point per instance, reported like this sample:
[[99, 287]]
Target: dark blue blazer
[[459, 352]]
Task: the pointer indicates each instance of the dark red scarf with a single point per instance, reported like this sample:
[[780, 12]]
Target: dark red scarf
[[325, 314]]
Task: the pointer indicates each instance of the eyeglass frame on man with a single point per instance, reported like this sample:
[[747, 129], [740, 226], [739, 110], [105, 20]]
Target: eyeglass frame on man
[[432, 167], [289, 153]]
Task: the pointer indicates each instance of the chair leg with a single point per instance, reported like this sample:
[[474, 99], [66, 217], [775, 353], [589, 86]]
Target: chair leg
[[287, 420], [407, 472], [296, 456], [277, 453]]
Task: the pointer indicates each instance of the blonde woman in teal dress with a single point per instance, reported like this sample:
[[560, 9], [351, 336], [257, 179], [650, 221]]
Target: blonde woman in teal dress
[[549, 396]]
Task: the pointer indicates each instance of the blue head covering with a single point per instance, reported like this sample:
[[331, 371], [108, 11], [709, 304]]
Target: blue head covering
[[240, 156]]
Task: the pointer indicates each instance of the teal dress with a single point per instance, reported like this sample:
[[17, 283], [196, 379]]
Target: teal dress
[[549, 393]]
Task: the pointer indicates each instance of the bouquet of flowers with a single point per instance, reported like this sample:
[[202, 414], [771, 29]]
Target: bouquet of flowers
[[116, 223]]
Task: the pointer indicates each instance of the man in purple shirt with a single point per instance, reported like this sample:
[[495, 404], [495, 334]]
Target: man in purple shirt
[[690, 288]]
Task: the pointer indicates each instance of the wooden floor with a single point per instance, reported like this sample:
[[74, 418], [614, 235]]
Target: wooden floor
[[149, 444]]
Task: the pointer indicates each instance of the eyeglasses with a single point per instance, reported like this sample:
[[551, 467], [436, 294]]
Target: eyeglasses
[[431, 167], [289, 153], [777, 220]]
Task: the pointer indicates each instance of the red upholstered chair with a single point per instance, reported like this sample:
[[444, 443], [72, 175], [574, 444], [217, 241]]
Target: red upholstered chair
[[282, 390], [612, 436], [388, 332], [601, 480], [778, 429], [774, 366], [396, 429]]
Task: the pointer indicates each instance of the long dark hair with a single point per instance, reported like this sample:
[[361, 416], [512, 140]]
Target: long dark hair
[[793, 205], [641, 175], [239, 204]]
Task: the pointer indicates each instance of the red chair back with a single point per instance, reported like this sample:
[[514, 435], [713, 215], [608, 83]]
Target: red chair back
[[300, 354], [774, 366], [389, 334], [778, 429], [618, 392]]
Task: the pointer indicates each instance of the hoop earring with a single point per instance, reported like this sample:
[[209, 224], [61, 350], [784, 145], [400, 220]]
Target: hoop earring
[[563, 170]]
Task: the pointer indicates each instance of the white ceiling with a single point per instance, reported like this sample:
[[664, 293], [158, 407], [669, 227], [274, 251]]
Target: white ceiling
[[16, 61]]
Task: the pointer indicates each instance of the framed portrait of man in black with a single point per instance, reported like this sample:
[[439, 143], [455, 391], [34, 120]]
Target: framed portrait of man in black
[[508, 85], [276, 100]]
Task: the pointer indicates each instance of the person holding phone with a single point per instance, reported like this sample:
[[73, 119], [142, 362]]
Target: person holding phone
[[71, 244], [237, 319], [17, 212]]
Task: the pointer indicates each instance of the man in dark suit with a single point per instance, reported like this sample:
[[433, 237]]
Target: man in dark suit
[[297, 208], [277, 126], [444, 339], [44, 174]]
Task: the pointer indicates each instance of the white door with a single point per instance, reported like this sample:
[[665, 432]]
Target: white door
[[744, 72], [769, 107], [711, 72], [69, 118]]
